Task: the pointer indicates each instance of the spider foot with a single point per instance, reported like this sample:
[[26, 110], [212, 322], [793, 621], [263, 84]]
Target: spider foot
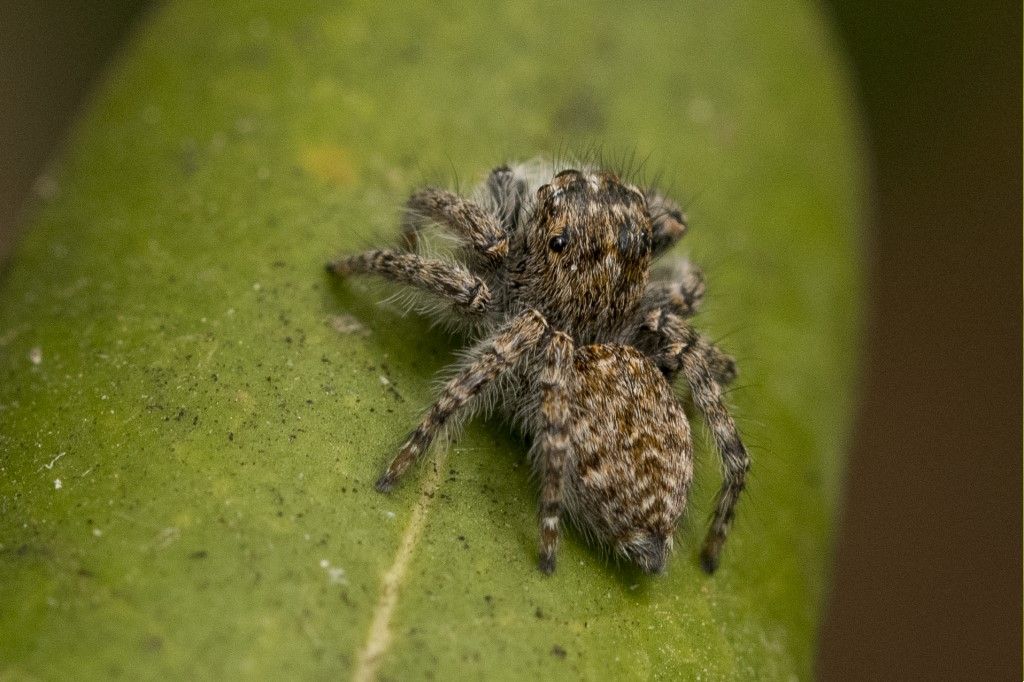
[[547, 563], [385, 483]]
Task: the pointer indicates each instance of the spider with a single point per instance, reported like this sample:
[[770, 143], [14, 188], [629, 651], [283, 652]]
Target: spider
[[579, 345]]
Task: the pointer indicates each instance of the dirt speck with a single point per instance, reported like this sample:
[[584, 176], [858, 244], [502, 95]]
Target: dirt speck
[[166, 537], [558, 652], [347, 324], [386, 383], [52, 462], [335, 574]]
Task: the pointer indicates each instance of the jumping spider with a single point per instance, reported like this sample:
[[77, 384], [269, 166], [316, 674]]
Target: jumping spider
[[579, 347]]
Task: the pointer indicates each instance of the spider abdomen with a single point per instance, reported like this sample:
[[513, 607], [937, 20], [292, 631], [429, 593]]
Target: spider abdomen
[[630, 464]]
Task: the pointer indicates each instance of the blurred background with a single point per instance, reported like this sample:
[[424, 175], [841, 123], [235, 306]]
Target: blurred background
[[928, 564]]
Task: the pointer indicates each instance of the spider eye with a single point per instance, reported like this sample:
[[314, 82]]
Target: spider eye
[[558, 244]]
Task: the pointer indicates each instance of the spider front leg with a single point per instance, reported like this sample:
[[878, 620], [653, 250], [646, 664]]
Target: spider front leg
[[451, 282], [506, 193], [678, 288], [478, 228], [551, 449], [668, 222], [486, 362], [694, 357]]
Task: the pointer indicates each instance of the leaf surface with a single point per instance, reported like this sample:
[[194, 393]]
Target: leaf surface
[[192, 415]]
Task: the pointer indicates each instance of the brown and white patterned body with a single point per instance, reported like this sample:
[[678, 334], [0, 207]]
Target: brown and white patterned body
[[631, 464], [579, 347]]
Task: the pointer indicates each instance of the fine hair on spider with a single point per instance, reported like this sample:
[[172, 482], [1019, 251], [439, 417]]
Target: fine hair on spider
[[578, 340]]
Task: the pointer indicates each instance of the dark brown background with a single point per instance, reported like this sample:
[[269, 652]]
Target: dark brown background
[[928, 573]]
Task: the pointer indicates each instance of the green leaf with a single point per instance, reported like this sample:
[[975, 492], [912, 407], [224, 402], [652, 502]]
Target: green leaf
[[192, 416]]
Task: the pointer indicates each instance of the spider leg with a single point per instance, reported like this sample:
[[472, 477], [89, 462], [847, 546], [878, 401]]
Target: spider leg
[[678, 288], [451, 282], [655, 332], [480, 229], [506, 194], [668, 221], [499, 353], [552, 446], [694, 356]]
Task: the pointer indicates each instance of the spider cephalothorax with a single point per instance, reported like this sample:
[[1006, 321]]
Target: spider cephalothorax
[[585, 342], [583, 255]]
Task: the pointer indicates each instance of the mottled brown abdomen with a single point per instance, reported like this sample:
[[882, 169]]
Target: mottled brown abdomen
[[631, 461]]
